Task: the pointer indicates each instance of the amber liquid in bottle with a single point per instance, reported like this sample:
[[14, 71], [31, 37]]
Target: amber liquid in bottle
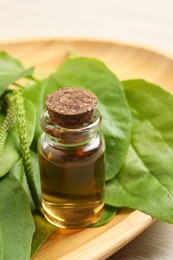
[[72, 182]]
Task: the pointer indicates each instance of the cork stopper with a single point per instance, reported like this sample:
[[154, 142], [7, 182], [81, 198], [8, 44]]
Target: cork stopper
[[71, 107]]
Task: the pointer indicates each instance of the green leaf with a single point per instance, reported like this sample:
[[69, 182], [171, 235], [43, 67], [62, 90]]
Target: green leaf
[[11, 70], [11, 153], [18, 171], [43, 230], [43, 227], [146, 180], [108, 213], [94, 76], [37, 95], [16, 222]]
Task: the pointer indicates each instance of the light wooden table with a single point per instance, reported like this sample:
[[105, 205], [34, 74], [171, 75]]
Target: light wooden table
[[156, 243], [146, 22]]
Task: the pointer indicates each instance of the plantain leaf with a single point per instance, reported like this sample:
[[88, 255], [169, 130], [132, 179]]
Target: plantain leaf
[[11, 70], [43, 230], [18, 171], [42, 226], [146, 180], [16, 222], [37, 95], [108, 213], [93, 75]]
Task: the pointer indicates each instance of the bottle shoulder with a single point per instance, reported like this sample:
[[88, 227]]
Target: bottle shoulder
[[82, 154]]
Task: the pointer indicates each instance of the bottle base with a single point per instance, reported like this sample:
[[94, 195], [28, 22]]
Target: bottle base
[[73, 216]]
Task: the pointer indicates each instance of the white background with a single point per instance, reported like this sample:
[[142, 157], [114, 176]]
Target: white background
[[148, 22]]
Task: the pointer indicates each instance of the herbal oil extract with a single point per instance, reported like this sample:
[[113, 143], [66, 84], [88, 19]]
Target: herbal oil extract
[[72, 171]]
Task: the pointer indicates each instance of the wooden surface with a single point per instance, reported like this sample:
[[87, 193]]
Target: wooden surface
[[98, 243], [155, 243], [127, 62]]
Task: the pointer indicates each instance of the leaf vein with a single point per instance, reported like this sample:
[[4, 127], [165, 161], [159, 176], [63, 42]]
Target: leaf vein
[[149, 171], [155, 127]]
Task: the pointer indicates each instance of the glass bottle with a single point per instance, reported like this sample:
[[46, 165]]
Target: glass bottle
[[72, 171]]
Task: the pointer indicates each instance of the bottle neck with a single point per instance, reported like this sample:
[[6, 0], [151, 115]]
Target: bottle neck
[[70, 137]]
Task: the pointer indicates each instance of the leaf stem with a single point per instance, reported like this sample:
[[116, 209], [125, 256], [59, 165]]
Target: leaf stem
[[72, 53], [25, 149]]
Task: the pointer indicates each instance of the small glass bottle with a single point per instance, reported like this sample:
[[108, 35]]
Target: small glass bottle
[[72, 171]]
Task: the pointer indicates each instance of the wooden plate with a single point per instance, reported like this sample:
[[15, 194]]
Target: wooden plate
[[127, 62]]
